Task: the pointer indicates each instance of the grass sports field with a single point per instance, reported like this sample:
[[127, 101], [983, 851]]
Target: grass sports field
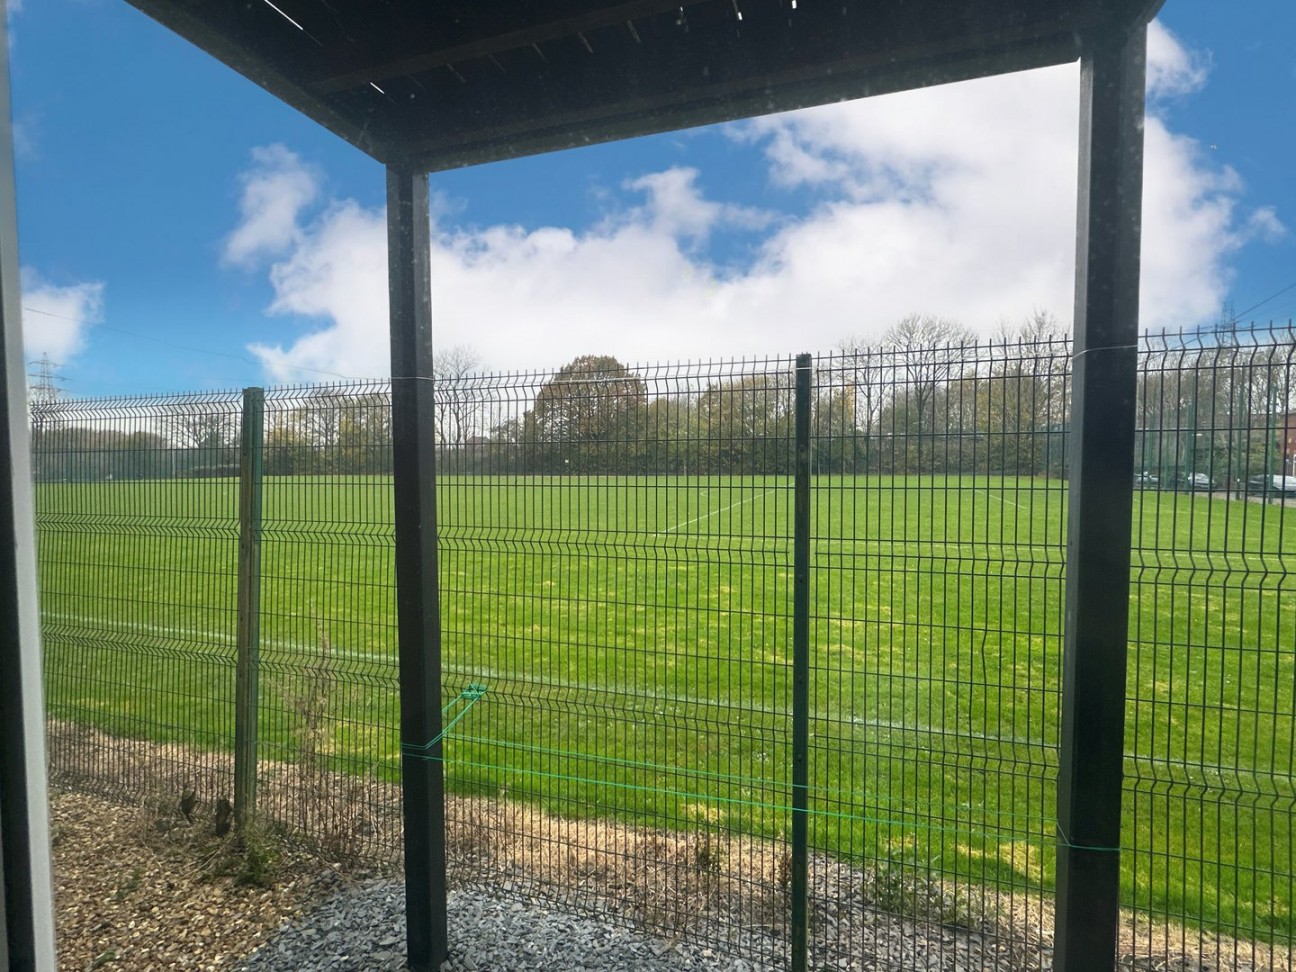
[[634, 635]]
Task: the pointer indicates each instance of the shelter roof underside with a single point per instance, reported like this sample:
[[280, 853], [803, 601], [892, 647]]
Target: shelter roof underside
[[435, 84]]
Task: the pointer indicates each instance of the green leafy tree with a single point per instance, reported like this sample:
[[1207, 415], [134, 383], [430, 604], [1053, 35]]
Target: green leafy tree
[[671, 435], [364, 439], [588, 418], [748, 424], [287, 450]]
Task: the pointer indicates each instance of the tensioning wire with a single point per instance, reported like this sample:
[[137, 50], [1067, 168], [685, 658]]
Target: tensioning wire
[[620, 761], [1058, 840], [703, 774], [473, 694]]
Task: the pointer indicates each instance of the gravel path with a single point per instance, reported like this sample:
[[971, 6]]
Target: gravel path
[[364, 931]]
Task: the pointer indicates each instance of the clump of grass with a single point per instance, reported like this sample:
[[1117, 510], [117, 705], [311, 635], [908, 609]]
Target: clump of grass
[[709, 854], [256, 854], [131, 883], [331, 807], [904, 888], [480, 829], [192, 828], [783, 871], [310, 702]]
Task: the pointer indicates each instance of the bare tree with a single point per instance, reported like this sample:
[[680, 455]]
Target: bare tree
[[205, 433], [865, 370], [202, 425], [323, 417], [1039, 327], [1023, 395], [929, 352], [458, 395]]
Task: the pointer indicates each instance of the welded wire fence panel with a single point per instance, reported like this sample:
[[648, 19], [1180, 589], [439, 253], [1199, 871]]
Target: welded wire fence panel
[[939, 590], [138, 520], [329, 719], [137, 516], [1211, 736], [939, 541], [616, 569], [616, 550]]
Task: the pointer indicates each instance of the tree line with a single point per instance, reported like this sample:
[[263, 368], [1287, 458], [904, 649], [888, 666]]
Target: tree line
[[928, 398]]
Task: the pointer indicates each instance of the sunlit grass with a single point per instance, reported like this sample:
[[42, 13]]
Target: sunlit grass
[[635, 634]]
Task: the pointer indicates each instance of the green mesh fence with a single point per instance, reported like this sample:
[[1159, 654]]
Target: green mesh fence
[[617, 584]]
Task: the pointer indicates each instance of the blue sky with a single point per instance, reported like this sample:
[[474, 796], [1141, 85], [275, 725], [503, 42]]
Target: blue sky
[[180, 229]]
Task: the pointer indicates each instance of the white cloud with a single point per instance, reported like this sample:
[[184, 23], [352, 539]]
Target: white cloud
[[55, 319], [1264, 224], [275, 191], [1190, 229], [957, 201], [25, 143], [338, 272], [1173, 69], [676, 208]]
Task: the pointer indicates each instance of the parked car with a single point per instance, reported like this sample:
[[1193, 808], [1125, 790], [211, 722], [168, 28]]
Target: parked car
[[1145, 480], [1197, 481], [1274, 485]]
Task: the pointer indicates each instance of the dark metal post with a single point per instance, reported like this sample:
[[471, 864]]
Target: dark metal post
[[1101, 502], [246, 695], [26, 891], [801, 669], [417, 594]]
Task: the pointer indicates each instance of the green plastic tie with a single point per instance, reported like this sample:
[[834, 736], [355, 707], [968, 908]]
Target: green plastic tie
[[473, 694]]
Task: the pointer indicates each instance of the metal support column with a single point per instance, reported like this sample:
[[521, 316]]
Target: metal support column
[[26, 891], [800, 883], [247, 696], [417, 594], [1103, 410]]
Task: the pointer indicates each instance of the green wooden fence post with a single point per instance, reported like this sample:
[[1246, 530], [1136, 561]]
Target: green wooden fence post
[[251, 467], [800, 883]]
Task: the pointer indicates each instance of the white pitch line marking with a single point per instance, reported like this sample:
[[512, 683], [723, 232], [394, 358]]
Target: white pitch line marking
[[1000, 497], [216, 637], [707, 516]]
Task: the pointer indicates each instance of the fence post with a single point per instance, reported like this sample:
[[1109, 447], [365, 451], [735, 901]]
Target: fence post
[[1100, 503], [801, 669], [251, 467], [418, 604]]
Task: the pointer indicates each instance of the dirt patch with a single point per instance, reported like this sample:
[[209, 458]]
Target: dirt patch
[[139, 889], [344, 818], [704, 880]]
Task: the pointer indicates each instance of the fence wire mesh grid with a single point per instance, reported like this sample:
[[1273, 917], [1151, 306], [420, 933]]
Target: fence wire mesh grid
[[617, 582]]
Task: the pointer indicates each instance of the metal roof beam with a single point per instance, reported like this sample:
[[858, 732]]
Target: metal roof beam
[[601, 16], [366, 134], [724, 82]]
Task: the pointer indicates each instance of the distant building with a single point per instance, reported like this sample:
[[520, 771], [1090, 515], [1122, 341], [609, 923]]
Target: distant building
[[1286, 434]]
